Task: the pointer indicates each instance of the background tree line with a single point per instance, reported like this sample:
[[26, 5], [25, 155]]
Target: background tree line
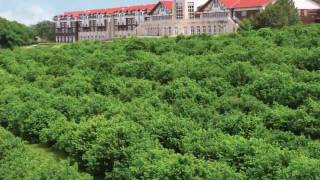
[[14, 34]]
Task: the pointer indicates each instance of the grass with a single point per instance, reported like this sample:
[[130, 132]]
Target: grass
[[46, 152]]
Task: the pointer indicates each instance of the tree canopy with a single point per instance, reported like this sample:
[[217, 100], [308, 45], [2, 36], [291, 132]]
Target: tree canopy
[[14, 34], [44, 30], [276, 15]]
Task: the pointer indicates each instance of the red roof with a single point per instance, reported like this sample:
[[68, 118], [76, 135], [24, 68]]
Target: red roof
[[73, 13], [146, 7], [167, 4], [244, 3]]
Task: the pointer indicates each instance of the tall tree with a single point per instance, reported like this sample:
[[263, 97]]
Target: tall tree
[[281, 13], [14, 34], [44, 30]]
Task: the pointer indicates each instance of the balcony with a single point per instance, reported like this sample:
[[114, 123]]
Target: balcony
[[160, 18], [214, 15], [199, 16]]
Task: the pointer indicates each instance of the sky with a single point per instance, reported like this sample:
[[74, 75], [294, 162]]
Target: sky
[[32, 11]]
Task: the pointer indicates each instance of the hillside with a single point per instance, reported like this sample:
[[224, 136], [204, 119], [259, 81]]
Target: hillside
[[238, 106], [13, 34]]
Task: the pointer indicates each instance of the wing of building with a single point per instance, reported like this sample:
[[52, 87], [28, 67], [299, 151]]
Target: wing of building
[[166, 18]]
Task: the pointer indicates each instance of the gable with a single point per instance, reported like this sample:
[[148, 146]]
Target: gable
[[162, 8], [212, 6]]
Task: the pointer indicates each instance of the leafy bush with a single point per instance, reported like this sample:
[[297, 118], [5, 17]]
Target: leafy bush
[[238, 106], [17, 161]]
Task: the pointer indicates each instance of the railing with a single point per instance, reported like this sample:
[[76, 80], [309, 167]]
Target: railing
[[160, 18], [215, 14], [205, 15]]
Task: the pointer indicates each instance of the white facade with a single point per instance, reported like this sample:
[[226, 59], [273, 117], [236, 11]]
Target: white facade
[[182, 17], [306, 4], [186, 19]]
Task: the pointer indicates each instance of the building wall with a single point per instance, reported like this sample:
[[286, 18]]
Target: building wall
[[187, 27], [310, 16], [96, 28], [212, 20], [67, 30], [242, 14], [187, 20]]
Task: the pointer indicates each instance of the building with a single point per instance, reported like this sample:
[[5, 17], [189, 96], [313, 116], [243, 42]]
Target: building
[[67, 27], [103, 24], [245, 8], [100, 24], [187, 18], [167, 18], [309, 10]]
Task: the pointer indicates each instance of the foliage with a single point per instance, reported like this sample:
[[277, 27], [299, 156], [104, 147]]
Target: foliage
[[44, 30], [281, 13], [18, 162], [14, 34], [237, 106], [247, 24]]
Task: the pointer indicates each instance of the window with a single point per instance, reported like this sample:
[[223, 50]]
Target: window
[[243, 13], [176, 31], [192, 30], [209, 30], [185, 29], [224, 28], [170, 31], [204, 29], [198, 30], [220, 28], [191, 10], [179, 11]]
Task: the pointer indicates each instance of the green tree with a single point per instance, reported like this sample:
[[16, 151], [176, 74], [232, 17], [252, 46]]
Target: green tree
[[14, 34], [281, 13], [44, 30]]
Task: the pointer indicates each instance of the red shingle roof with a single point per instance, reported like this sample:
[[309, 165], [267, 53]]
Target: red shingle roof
[[244, 3], [168, 4], [146, 7], [73, 13]]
